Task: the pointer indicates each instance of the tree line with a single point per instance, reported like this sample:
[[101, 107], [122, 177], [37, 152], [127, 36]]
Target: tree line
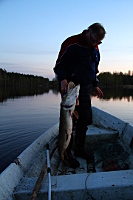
[[17, 80], [116, 79]]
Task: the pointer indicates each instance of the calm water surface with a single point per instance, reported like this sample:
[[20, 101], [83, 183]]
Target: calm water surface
[[24, 119]]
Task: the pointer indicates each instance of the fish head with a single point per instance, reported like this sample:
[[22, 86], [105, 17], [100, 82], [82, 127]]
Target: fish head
[[69, 99]]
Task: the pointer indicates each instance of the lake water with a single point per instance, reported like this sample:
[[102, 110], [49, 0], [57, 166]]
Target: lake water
[[23, 119]]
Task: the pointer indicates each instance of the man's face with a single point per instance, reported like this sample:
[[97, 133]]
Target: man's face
[[92, 39]]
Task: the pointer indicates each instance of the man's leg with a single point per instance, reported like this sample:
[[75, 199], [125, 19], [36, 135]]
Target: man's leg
[[85, 119]]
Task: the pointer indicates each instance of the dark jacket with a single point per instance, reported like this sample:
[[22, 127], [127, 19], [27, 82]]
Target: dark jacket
[[74, 66]]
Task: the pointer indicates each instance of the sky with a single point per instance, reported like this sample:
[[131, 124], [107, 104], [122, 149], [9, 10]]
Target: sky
[[31, 33]]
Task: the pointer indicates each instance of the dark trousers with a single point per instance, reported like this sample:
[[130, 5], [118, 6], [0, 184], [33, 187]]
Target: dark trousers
[[85, 115]]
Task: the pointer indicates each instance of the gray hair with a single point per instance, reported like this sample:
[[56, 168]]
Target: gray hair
[[98, 30]]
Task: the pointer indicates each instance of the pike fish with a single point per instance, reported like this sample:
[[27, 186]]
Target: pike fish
[[67, 108]]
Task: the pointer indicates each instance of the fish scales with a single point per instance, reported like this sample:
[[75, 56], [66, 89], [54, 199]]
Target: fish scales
[[67, 108]]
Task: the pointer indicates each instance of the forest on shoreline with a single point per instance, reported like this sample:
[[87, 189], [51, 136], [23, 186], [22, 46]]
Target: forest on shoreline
[[15, 85], [116, 79], [21, 80], [17, 80]]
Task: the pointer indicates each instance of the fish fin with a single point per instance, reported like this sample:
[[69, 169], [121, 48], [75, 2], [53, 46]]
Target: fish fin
[[77, 102], [71, 113], [76, 114]]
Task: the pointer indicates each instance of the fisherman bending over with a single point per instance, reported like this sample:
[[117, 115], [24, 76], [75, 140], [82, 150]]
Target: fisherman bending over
[[78, 61]]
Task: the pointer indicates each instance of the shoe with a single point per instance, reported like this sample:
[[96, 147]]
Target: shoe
[[70, 161], [82, 152]]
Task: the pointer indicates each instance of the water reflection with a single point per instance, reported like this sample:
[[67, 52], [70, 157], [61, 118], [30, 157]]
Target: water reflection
[[117, 93], [55, 91], [109, 93], [6, 93]]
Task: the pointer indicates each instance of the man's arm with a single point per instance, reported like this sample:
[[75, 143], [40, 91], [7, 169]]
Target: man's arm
[[69, 41], [98, 92], [63, 67]]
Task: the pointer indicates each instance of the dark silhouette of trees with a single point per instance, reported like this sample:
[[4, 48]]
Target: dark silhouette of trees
[[116, 79], [16, 80], [14, 85]]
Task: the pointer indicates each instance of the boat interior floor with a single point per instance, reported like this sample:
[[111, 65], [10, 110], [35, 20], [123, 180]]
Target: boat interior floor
[[107, 153]]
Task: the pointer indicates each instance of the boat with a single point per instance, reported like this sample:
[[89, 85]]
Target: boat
[[108, 174]]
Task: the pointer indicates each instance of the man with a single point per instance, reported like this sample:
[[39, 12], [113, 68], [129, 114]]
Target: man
[[78, 61]]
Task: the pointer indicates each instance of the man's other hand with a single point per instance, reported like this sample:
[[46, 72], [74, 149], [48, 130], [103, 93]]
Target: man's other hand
[[98, 92]]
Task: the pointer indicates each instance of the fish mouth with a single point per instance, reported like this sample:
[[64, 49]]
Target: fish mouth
[[66, 106], [68, 103]]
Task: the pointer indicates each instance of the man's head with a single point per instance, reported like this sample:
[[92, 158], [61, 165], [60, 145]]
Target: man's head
[[95, 34]]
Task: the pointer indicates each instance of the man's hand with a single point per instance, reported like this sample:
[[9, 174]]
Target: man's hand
[[98, 92], [64, 85]]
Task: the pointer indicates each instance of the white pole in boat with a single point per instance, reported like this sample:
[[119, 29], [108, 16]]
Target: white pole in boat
[[48, 171]]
